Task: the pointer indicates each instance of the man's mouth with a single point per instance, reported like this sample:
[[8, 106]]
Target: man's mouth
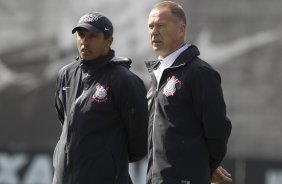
[[156, 42], [85, 50]]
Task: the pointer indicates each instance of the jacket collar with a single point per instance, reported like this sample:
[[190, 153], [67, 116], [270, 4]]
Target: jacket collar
[[99, 60], [185, 57], [95, 64], [107, 60], [152, 65]]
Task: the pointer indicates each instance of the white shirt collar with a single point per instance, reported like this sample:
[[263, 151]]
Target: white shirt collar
[[168, 60]]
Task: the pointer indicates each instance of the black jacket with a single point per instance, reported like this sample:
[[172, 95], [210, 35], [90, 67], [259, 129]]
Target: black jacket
[[188, 127], [102, 107]]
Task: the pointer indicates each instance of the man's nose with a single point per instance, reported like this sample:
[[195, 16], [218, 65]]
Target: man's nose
[[154, 31], [85, 40]]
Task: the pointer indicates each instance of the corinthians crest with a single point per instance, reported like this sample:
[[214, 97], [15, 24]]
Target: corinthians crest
[[169, 88], [101, 93]]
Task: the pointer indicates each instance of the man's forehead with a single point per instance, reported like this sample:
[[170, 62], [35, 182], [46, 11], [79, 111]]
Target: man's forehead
[[160, 14]]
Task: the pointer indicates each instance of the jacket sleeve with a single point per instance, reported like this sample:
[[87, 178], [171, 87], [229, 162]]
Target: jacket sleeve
[[58, 99], [210, 109], [134, 112]]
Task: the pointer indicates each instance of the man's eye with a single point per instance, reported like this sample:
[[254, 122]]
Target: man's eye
[[80, 34]]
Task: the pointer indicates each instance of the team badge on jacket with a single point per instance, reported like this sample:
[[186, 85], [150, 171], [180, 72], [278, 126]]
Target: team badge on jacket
[[169, 88], [101, 93]]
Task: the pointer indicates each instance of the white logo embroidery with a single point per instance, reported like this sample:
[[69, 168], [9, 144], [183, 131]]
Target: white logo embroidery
[[107, 29], [185, 182], [89, 18], [101, 93], [169, 88], [66, 87]]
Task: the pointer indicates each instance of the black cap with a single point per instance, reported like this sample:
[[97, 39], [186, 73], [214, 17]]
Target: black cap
[[95, 22]]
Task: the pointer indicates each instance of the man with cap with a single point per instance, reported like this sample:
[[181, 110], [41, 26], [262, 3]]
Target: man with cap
[[102, 108]]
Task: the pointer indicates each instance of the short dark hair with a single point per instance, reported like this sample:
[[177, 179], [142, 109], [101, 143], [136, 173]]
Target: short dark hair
[[176, 9]]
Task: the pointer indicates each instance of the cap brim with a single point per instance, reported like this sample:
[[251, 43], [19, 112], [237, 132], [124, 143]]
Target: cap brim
[[87, 26]]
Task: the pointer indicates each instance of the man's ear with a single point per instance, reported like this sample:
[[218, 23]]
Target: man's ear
[[110, 40], [182, 29]]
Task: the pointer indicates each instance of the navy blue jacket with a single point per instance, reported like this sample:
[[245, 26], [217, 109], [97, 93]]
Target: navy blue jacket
[[188, 126], [102, 107]]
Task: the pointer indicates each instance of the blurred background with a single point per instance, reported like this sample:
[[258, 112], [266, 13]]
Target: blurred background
[[242, 39]]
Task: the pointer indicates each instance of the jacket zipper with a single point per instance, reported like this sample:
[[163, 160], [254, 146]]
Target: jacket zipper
[[154, 119]]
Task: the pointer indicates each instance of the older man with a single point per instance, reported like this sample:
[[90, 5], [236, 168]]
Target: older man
[[188, 126]]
